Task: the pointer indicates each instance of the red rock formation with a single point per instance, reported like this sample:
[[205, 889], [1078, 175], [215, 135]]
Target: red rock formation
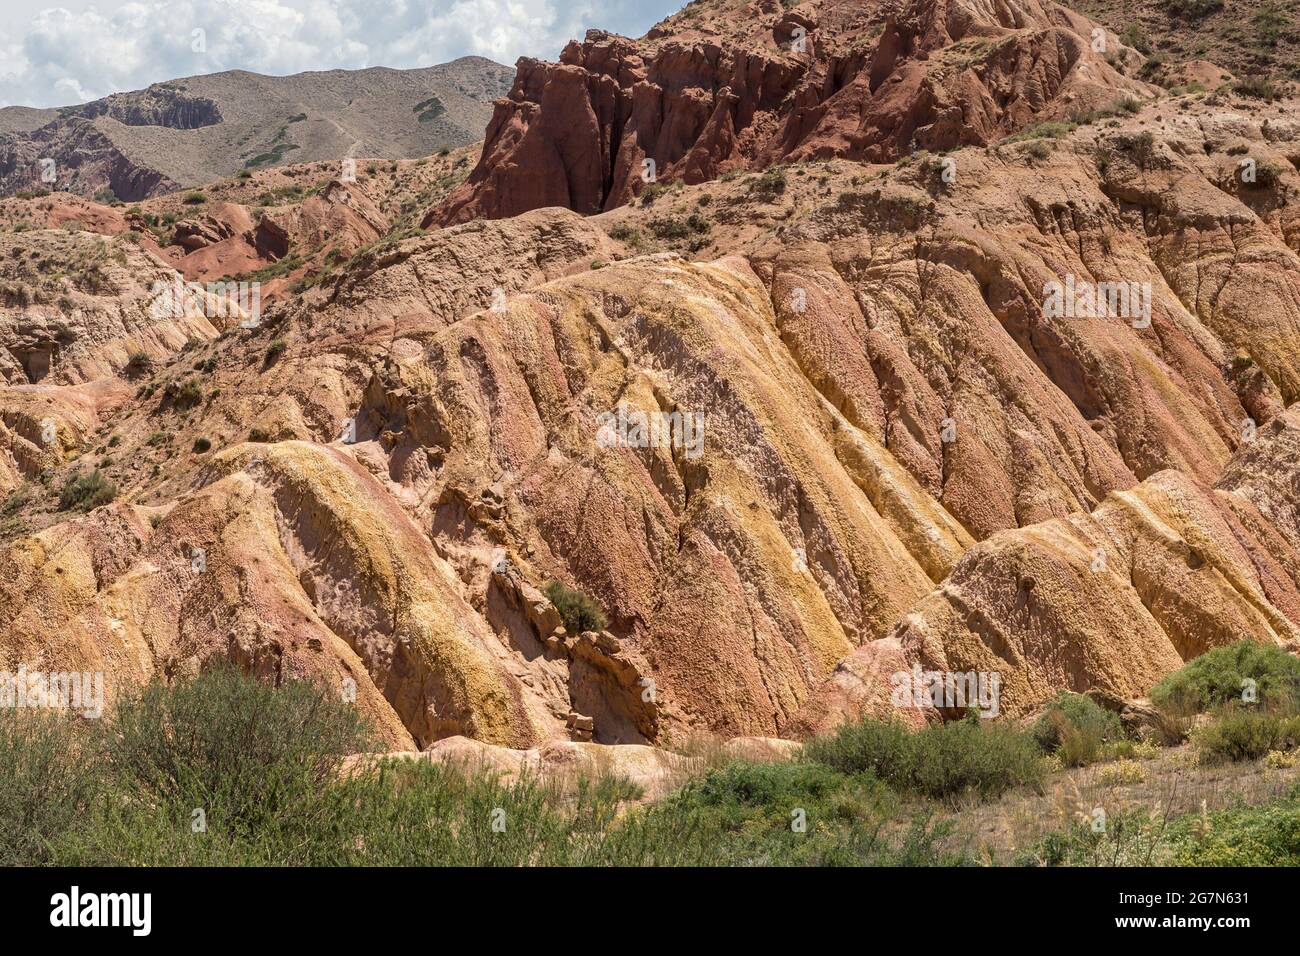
[[86, 162], [942, 74]]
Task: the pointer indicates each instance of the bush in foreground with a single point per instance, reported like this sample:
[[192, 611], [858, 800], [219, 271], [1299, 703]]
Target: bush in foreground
[[48, 781], [781, 814], [1239, 734], [224, 770], [1266, 835], [242, 751], [1076, 728], [949, 760], [1218, 677], [1243, 836]]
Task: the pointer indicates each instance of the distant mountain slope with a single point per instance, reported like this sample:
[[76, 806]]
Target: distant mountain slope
[[24, 119], [1246, 37], [191, 131]]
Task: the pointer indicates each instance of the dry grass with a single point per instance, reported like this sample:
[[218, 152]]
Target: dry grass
[[1172, 784]]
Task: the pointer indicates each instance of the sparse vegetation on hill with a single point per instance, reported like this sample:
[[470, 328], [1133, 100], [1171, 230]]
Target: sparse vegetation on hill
[[579, 611], [1241, 36], [262, 122], [85, 492]]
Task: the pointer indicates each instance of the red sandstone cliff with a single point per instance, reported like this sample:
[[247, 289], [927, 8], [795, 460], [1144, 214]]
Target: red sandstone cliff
[[814, 82]]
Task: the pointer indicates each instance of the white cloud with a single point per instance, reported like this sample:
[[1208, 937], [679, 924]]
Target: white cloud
[[65, 57]]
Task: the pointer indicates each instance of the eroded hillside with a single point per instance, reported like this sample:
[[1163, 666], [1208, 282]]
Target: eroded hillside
[[894, 440]]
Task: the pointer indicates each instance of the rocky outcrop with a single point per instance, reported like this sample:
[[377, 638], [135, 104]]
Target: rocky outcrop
[[85, 161], [591, 131], [160, 105], [218, 224], [113, 300], [227, 241]]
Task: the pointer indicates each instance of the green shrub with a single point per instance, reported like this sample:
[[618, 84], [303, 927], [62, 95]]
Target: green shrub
[[975, 756], [1194, 9], [185, 394], [765, 785], [1055, 129], [137, 364], [1259, 86], [1076, 728], [86, 492], [1140, 146], [247, 754], [421, 814], [578, 611], [1038, 150], [970, 756], [652, 192], [1267, 175], [1135, 35], [274, 350], [1126, 104], [770, 184], [1129, 837], [625, 232], [221, 769], [882, 748], [48, 781], [669, 228], [16, 501], [194, 199], [1271, 22], [775, 814], [1217, 676], [1240, 734], [202, 446], [1244, 836]]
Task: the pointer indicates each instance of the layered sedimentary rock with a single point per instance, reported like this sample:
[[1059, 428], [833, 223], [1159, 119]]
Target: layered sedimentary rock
[[1023, 410], [75, 306], [591, 131]]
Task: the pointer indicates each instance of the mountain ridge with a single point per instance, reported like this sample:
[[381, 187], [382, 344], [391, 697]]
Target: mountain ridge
[[193, 130]]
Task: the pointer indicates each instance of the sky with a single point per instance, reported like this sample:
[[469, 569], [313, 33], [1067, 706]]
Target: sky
[[80, 51]]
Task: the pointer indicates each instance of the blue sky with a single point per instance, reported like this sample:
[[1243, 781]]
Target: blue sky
[[79, 51]]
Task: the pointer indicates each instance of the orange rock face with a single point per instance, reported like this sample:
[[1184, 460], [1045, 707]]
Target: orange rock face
[[827, 412]]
